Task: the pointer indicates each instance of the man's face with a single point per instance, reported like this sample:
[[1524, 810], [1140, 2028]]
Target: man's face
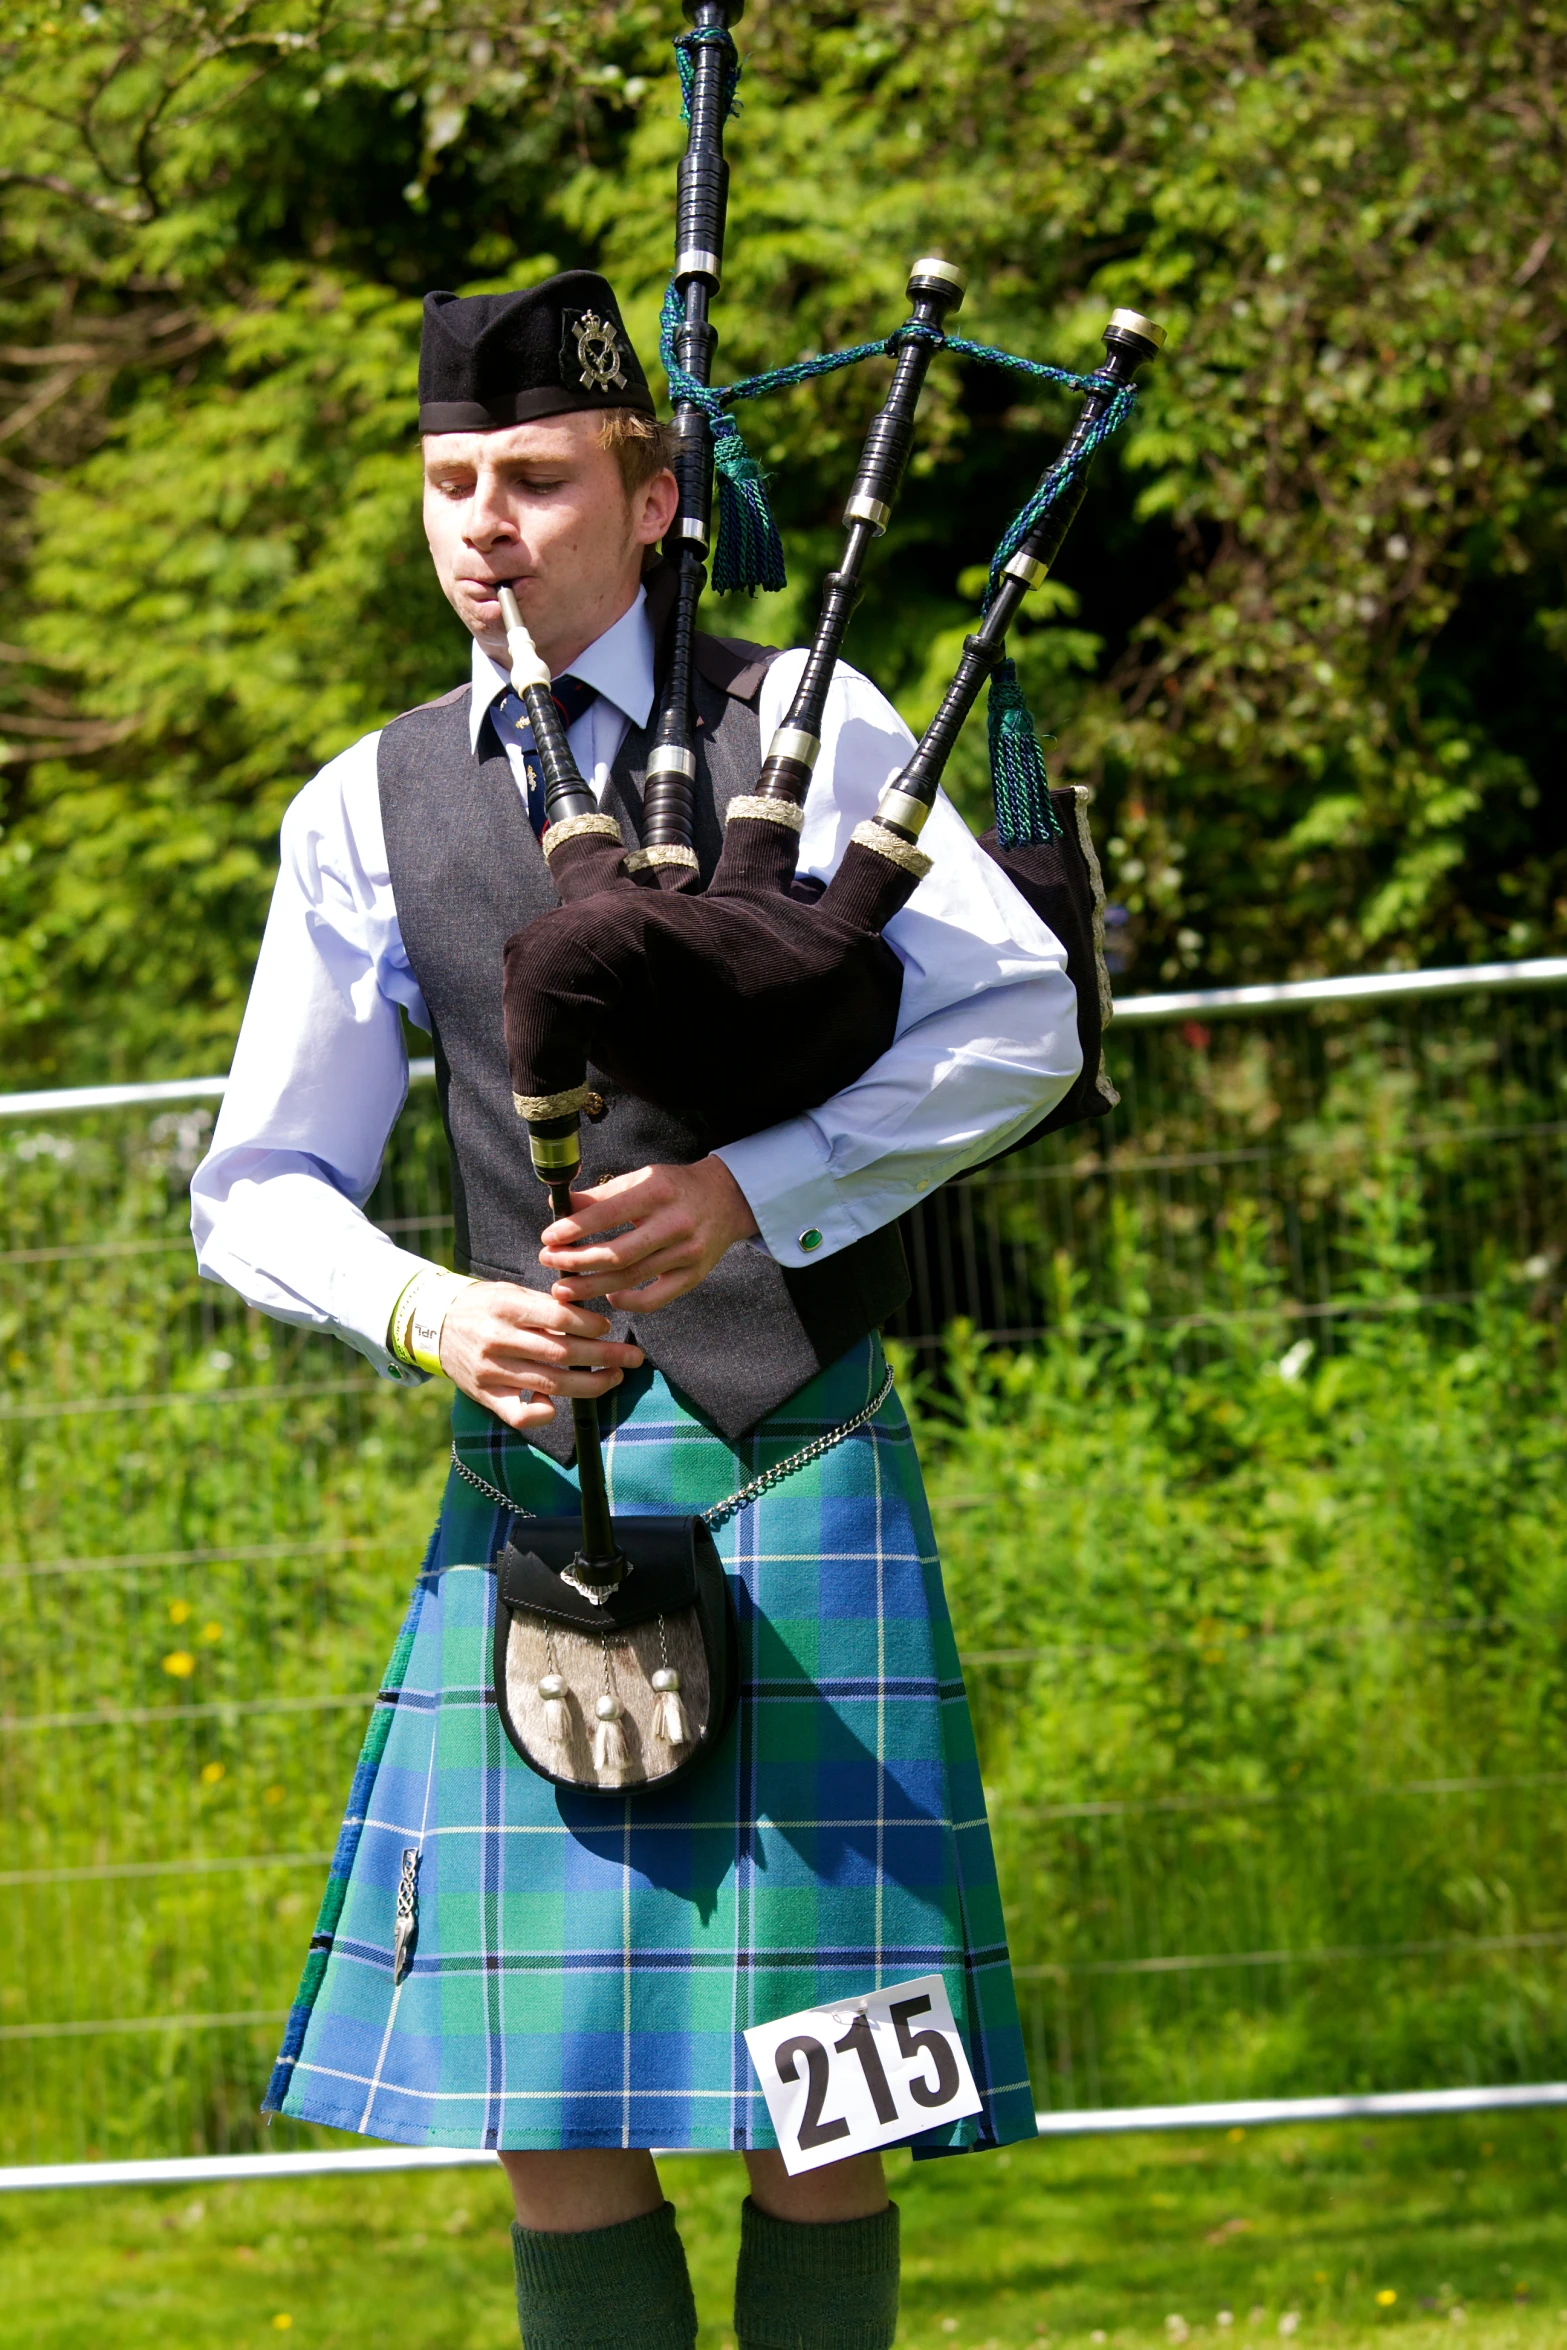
[[543, 507]]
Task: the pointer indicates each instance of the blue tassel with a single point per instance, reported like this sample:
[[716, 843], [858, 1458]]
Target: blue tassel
[[750, 552], [1024, 814]]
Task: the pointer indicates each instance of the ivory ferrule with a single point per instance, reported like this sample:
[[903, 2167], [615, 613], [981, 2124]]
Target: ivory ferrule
[[871, 510], [1027, 568], [765, 811], [792, 742], [931, 265], [887, 844], [670, 759], [696, 262], [904, 810], [527, 668], [1132, 322]]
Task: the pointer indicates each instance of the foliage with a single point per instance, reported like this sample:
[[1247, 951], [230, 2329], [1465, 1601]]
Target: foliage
[[1274, 1665], [1253, 1558], [1264, 1644], [1305, 640]]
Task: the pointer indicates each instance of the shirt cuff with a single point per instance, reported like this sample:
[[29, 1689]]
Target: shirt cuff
[[371, 1313], [784, 1174]]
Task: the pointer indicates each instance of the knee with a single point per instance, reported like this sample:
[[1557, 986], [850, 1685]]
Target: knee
[[566, 2191], [856, 2189]]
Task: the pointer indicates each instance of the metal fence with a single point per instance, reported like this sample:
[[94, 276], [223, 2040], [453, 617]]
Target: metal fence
[[207, 1523], [1269, 1099]]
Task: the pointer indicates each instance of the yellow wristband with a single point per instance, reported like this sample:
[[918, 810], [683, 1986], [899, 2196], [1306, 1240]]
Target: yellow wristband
[[414, 1332]]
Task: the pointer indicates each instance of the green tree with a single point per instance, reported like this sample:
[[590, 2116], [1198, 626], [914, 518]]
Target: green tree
[[1305, 640]]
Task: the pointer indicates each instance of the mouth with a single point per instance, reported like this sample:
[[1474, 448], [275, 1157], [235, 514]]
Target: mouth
[[485, 593]]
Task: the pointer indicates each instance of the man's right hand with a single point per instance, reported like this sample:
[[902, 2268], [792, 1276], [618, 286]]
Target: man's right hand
[[514, 1350]]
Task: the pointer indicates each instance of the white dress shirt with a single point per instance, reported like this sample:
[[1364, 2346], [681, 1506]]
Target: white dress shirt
[[986, 1039]]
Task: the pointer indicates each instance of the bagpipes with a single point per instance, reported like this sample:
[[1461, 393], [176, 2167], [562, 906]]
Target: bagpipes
[[742, 1004]]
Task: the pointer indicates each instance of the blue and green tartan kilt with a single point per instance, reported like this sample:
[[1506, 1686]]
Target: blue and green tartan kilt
[[584, 1966]]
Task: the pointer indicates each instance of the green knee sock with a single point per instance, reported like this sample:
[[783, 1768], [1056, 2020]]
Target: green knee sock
[[620, 2288], [817, 2285]]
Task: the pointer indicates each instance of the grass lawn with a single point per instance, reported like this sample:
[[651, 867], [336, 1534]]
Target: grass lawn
[[1342, 2235]]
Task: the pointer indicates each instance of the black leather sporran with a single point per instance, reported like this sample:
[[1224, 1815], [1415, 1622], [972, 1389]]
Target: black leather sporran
[[620, 1693]]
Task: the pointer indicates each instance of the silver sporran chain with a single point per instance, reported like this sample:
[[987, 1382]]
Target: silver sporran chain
[[721, 1511]]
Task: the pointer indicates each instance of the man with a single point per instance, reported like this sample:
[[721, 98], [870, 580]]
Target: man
[[499, 1962]]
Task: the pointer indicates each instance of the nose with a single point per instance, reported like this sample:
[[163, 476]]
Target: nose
[[487, 523]]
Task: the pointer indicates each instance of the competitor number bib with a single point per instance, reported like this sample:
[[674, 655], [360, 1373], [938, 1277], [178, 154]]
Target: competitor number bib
[[862, 2072]]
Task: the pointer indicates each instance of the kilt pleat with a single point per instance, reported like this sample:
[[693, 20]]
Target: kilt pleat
[[583, 1967]]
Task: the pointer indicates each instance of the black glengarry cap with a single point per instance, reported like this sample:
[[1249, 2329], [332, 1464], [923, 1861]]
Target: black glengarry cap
[[489, 360]]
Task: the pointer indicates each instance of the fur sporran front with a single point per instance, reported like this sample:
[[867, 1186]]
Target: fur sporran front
[[621, 1691]]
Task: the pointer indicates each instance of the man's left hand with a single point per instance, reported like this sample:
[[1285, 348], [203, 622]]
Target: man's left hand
[[681, 1220]]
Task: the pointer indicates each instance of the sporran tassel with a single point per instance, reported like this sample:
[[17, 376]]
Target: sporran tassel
[[557, 1721], [669, 1715], [1024, 815], [610, 1752]]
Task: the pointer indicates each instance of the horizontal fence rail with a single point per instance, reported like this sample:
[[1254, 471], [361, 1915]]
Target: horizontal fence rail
[[208, 1522], [1251, 2113], [1358, 988], [1203, 1003]]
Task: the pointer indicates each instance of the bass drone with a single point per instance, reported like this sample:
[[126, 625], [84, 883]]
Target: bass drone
[[742, 1003]]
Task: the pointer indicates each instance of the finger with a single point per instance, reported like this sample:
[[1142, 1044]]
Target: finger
[[599, 1208], [678, 1257], [595, 1266], [644, 1279], [519, 1411], [661, 1292], [536, 1381], [667, 1229], [536, 1309], [578, 1382], [561, 1383], [538, 1349], [590, 1289]]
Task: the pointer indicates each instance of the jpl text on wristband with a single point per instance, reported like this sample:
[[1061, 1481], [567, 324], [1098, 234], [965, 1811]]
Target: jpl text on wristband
[[414, 1333]]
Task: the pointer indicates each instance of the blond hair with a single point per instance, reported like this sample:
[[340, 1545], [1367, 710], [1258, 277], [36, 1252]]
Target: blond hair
[[640, 446]]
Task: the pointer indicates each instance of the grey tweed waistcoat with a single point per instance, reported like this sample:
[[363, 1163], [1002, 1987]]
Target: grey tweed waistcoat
[[467, 872]]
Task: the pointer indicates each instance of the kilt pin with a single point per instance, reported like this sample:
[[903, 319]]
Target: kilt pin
[[582, 1967]]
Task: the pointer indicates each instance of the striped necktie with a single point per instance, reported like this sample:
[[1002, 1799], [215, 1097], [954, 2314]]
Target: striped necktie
[[510, 713]]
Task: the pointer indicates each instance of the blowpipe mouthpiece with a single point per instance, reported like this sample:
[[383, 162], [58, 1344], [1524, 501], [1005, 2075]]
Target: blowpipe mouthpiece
[[527, 667]]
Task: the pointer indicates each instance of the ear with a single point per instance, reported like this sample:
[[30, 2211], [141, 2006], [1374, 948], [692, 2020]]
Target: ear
[[654, 508]]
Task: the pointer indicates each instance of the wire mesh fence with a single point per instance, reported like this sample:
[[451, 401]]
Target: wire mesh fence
[[1260, 1122], [208, 1523]]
